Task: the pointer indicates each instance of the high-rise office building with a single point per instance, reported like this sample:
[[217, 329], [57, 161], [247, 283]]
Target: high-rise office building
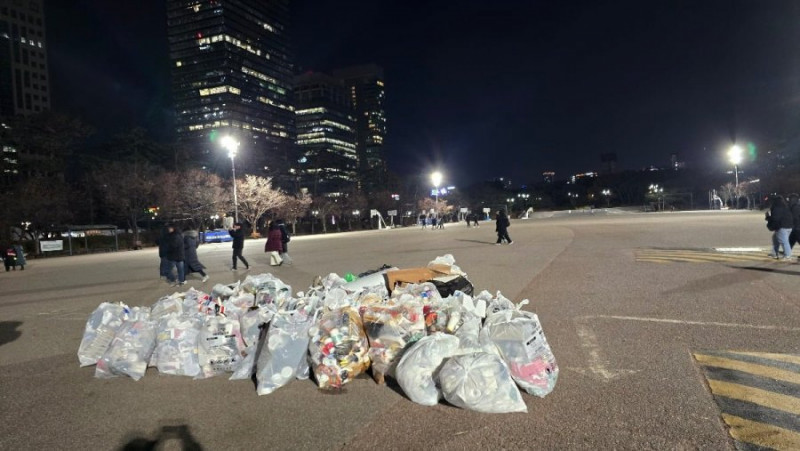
[[365, 86], [232, 75], [24, 82], [326, 135]]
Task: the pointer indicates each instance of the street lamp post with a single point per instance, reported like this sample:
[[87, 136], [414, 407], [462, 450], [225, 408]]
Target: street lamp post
[[607, 193], [436, 178], [232, 146], [735, 157]]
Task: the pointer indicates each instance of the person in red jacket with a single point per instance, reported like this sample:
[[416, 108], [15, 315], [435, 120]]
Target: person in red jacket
[[274, 240]]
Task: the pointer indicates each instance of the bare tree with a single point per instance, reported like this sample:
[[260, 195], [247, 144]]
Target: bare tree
[[38, 204], [728, 194], [295, 207], [256, 196], [325, 206], [128, 188], [193, 194]]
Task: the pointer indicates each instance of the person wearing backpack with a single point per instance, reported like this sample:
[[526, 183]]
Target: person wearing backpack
[[285, 238], [502, 225]]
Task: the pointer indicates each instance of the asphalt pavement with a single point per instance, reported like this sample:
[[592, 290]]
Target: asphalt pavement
[[627, 301]]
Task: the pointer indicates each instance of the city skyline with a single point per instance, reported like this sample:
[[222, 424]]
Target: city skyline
[[506, 89]]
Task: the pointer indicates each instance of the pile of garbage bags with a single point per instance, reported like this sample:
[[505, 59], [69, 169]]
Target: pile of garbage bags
[[422, 327]]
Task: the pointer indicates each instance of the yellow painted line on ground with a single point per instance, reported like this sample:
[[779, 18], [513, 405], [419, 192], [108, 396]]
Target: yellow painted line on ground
[[752, 368], [788, 358], [754, 395], [654, 260], [716, 257], [761, 434]]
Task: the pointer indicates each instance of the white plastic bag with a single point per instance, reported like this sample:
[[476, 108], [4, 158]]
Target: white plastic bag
[[480, 382], [286, 345], [101, 327], [176, 345], [417, 370], [219, 346], [519, 337], [129, 352]]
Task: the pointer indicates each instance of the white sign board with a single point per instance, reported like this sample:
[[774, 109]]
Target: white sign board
[[392, 212], [487, 210], [463, 209], [52, 245], [373, 213]]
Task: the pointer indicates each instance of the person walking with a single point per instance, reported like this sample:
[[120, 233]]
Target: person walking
[[238, 244], [191, 242], [285, 238], [794, 208], [502, 228], [175, 256], [423, 220], [163, 244], [475, 217], [274, 243], [780, 222]]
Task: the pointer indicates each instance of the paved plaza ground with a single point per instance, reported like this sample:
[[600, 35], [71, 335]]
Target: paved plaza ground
[[639, 308]]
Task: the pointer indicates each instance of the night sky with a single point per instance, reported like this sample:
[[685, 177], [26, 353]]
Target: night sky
[[487, 89]]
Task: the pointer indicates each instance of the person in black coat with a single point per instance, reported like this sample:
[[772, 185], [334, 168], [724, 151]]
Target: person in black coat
[[794, 208], [502, 225], [780, 222], [285, 238], [175, 255], [238, 244], [163, 270], [192, 263]]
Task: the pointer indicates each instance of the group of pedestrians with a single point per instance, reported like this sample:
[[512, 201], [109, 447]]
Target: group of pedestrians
[[783, 219], [178, 253], [278, 238], [178, 250]]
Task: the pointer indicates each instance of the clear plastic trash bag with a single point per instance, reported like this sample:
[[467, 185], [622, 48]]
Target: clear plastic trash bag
[[338, 348], [519, 337], [418, 367], [480, 382], [129, 352], [176, 345]]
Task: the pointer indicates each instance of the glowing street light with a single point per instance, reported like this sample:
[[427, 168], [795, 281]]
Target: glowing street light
[[607, 193], [232, 145], [436, 178], [735, 155]]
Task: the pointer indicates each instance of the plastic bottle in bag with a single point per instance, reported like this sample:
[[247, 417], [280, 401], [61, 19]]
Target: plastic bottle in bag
[[390, 329], [480, 382], [339, 348], [419, 365]]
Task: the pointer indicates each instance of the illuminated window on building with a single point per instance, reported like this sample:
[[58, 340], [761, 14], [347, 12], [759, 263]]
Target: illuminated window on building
[[219, 90]]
